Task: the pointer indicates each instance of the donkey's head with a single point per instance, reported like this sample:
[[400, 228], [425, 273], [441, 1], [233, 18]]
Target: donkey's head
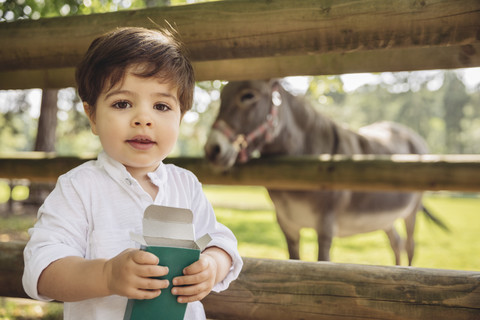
[[247, 121]]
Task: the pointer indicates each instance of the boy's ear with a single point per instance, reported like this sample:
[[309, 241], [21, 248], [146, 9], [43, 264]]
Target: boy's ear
[[91, 117]]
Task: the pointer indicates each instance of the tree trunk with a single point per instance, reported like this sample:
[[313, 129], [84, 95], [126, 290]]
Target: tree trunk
[[45, 141], [156, 3], [47, 123]]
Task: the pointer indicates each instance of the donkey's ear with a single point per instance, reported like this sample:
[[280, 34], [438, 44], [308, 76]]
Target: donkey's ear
[[273, 82]]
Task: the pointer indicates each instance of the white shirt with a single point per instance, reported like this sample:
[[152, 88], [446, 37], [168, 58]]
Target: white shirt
[[92, 211]]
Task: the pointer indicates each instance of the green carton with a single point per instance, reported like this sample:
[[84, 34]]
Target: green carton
[[169, 234]]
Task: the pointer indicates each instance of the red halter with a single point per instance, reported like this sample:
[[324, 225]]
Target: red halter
[[240, 142]]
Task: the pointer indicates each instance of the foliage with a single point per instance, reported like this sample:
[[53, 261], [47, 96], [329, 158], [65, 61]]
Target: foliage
[[34, 9], [22, 309], [436, 104], [11, 10], [17, 126], [197, 122], [445, 114]]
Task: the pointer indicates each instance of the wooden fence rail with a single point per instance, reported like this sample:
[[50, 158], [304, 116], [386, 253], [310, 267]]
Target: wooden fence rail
[[362, 172], [252, 39], [290, 290]]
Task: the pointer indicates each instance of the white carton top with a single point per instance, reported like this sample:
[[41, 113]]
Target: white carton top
[[169, 227]]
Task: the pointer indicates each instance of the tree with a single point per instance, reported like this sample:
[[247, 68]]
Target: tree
[[34, 9], [435, 104], [47, 123], [454, 100], [17, 127]]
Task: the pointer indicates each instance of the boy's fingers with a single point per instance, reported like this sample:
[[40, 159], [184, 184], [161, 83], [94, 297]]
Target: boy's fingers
[[191, 279], [144, 294], [154, 284], [143, 257], [149, 271], [191, 293], [190, 290], [187, 299], [196, 267], [148, 265]]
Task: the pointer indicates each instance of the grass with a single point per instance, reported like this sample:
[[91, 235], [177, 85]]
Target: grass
[[23, 309], [249, 213]]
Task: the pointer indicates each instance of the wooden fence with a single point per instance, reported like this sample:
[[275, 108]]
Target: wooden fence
[[290, 290], [363, 172], [253, 39]]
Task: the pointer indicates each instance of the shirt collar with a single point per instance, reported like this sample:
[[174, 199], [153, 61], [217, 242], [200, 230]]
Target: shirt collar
[[118, 171]]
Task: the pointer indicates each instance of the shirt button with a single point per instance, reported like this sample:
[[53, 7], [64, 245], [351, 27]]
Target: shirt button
[[128, 181]]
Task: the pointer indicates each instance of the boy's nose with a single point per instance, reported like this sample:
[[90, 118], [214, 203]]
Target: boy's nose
[[142, 120], [140, 123]]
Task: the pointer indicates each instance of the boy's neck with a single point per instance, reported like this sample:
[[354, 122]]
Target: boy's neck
[[149, 187], [141, 175]]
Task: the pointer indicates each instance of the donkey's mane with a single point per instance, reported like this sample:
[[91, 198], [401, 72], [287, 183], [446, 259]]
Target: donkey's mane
[[317, 127]]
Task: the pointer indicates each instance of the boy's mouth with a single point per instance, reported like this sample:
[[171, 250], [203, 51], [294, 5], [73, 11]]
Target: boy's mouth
[[141, 142]]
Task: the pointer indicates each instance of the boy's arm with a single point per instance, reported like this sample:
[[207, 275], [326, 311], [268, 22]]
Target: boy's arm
[[223, 261], [200, 277], [128, 274]]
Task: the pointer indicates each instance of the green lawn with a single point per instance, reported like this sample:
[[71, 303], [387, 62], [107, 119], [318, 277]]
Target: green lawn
[[248, 211]]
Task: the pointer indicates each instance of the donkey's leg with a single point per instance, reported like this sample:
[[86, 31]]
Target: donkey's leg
[[292, 235], [289, 228], [325, 230], [410, 228], [293, 243], [396, 242], [286, 220]]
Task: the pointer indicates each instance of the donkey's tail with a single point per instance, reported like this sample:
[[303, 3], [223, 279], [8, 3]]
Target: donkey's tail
[[435, 219]]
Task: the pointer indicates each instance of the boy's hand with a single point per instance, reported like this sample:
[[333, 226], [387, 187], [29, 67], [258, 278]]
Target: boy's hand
[[198, 280], [130, 273]]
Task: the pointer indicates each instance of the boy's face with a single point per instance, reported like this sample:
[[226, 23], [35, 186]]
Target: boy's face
[[137, 122]]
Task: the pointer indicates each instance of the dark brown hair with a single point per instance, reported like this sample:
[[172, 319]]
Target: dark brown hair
[[157, 52]]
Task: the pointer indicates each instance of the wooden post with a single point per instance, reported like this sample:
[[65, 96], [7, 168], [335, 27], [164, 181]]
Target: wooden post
[[359, 172], [287, 290], [257, 39], [11, 269]]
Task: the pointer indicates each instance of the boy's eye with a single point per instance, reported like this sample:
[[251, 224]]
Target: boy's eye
[[161, 107], [122, 105]]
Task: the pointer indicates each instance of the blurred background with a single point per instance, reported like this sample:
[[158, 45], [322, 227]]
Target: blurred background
[[442, 105]]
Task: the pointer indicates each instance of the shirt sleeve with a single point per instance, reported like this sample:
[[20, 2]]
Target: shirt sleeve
[[60, 231], [222, 237]]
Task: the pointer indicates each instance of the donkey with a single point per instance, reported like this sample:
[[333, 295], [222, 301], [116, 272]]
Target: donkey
[[262, 116]]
